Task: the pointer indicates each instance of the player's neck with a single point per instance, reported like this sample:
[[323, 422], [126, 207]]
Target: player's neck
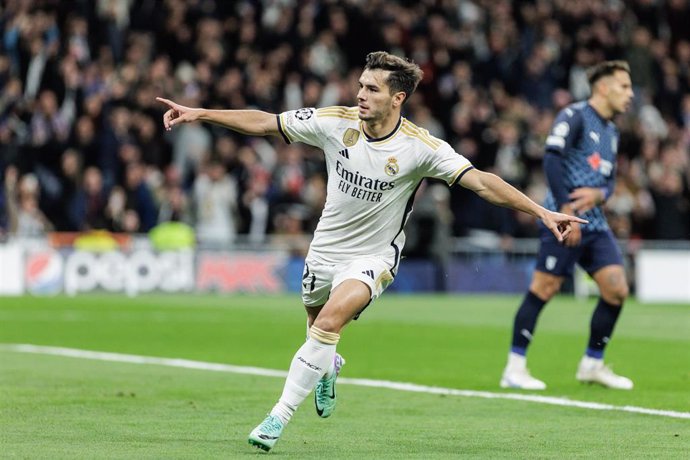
[[376, 129], [601, 107]]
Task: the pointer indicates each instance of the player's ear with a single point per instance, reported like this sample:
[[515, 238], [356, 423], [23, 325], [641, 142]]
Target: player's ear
[[604, 85], [399, 98]]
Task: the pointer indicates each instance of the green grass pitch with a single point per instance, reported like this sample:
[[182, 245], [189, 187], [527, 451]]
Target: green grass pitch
[[56, 407]]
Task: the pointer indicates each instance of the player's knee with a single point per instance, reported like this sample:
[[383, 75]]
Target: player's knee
[[616, 295], [613, 285], [545, 289], [623, 292], [327, 324]]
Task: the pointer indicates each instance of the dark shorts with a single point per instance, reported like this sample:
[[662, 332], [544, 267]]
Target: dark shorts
[[596, 250]]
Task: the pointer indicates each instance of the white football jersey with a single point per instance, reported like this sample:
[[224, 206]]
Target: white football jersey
[[371, 182]]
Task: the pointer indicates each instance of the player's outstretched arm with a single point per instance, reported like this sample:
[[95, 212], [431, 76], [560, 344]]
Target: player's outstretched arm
[[251, 122], [495, 190]]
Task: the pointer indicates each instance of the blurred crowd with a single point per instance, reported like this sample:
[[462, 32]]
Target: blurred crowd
[[83, 147]]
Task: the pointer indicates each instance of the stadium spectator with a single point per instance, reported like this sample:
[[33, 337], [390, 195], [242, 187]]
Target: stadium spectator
[[139, 197], [115, 211], [69, 184], [215, 203], [669, 188], [254, 178], [175, 205], [88, 212], [25, 218]]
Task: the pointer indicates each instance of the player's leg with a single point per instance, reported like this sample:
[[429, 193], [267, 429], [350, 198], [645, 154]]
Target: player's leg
[[376, 276], [317, 354], [554, 262], [605, 264], [328, 379], [613, 288], [312, 313], [516, 375], [542, 288], [316, 286], [348, 299], [312, 359], [307, 366]]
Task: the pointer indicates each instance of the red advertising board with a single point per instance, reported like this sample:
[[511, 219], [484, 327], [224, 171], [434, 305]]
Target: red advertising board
[[239, 272]]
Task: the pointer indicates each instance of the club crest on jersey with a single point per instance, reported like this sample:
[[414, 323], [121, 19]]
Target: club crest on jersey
[[392, 167], [350, 137], [550, 262]]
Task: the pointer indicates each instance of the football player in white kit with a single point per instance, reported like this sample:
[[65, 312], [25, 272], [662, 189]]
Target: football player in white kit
[[376, 160]]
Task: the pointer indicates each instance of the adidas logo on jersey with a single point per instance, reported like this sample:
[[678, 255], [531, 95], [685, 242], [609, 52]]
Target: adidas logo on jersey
[[345, 153], [369, 273]]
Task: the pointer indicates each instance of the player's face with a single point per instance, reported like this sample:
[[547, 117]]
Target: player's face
[[374, 98], [620, 93]]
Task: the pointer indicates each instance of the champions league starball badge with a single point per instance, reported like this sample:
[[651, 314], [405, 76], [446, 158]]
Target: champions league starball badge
[[304, 114]]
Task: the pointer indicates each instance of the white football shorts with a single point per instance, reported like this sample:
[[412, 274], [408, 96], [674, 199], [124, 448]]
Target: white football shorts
[[319, 279]]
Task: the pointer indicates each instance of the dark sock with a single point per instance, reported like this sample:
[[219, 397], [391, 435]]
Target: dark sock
[[603, 321], [525, 321]]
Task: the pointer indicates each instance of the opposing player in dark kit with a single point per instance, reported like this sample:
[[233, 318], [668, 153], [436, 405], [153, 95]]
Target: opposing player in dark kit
[[580, 164]]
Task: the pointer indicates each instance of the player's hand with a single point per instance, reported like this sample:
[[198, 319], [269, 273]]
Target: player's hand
[[575, 235], [561, 225], [177, 113], [585, 198]]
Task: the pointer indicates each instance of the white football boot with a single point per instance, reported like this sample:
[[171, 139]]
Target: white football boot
[[592, 370], [516, 375]]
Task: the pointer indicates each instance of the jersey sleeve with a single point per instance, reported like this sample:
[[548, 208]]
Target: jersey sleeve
[[444, 163], [554, 172], [302, 125], [565, 131]]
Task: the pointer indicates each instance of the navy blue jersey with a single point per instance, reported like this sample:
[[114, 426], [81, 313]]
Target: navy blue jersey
[[585, 145]]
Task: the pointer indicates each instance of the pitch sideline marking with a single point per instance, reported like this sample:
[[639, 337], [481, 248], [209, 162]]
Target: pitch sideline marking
[[400, 386]]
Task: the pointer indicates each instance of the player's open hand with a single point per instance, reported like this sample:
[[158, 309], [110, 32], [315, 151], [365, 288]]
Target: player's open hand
[[561, 225], [177, 113], [585, 198]]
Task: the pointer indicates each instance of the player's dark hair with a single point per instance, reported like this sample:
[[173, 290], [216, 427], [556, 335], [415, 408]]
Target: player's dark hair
[[604, 69], [404, 75]]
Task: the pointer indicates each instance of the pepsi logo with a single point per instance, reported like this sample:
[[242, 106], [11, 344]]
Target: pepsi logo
[[44, 272]]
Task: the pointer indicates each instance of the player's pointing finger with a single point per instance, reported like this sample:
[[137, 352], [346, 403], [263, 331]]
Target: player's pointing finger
[[168, 102]]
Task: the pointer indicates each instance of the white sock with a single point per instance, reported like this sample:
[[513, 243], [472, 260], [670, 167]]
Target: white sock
[[308, 365], [516, 361], [331, 369]]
